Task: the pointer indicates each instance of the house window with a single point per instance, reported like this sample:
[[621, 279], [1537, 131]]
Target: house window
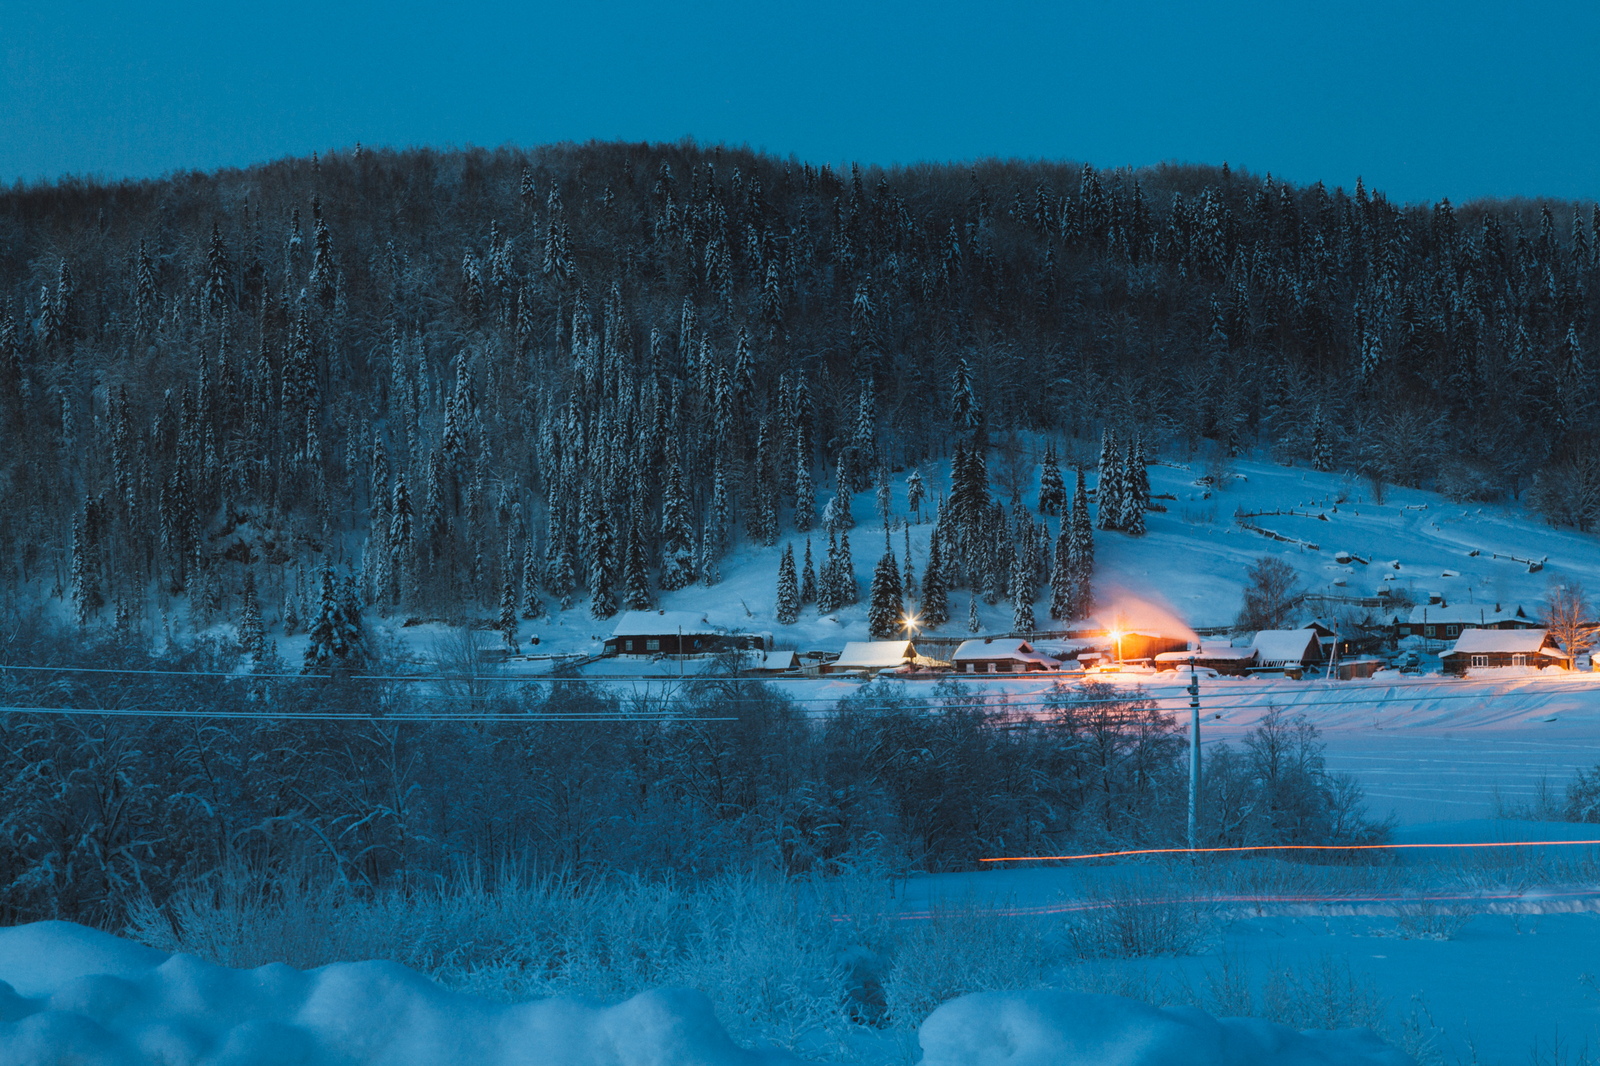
[[1519, 660], [1451, 631], [1479, 662], [627, 645], [650, 645], [992, 669], [1428, 631], [972, 668]]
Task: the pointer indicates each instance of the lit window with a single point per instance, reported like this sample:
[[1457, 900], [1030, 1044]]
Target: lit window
[[1479, 662], [1519, 660]]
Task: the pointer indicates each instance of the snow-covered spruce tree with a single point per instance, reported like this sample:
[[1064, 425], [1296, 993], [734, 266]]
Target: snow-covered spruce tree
[[848, 591], [808, 578], [1131, 520], [719, 526], [1052, 491], [843, 517], [916, 492], [908, 587], [532, 605], [602, 565], [884, 606], [506, 623], [252, 632], [805, 496], [1107, 507], [1139, 475], [1063, 585], [885, 496], [828, 599], [1080, 554], [787, 611], [935, 598], [635, 571], [706, 565], [973, 624], [1022, 620], [336, 645], [677, 534], [1321, 441]]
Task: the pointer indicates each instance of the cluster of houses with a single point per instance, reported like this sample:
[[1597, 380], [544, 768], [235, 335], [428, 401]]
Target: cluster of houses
[[1482, 639]]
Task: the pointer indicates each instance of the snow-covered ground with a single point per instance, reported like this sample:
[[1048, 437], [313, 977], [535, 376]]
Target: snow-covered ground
[[73, 995], [1480, 968]]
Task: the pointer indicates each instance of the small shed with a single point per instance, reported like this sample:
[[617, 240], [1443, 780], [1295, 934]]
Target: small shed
[[1350, 669], [872, 656], [1001, 656], [1286, 649], [1220, 657], [1483, 649]]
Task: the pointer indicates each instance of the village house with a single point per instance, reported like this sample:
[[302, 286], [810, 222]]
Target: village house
[[653, 633], [1289, 650], [872, 657], [1000, 656], [1219, 656], [1487, 649], [1443, 621]]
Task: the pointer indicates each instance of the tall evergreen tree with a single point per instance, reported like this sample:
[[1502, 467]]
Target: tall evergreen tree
[[635, 571], [602, 564], [935, 602], [1022, 593], [884, 604], [787, 611], [506, 623], [1063, 582], [808, 578], [846, 577], [1052, 492]]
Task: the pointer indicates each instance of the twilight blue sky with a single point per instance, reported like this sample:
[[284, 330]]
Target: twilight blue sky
[[1424, 99]]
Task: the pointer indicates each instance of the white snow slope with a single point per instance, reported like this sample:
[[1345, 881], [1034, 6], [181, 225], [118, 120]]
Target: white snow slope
[[73, 995]]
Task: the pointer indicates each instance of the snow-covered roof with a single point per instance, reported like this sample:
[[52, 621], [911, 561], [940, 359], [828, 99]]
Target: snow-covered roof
[[656, 623], [873, 654], [1476, 614], [1207, 653], [1285, 645], [1510, 641], [1015, 650]]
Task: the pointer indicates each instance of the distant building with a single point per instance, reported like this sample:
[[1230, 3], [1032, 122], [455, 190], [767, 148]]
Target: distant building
[[1001, 656], [1486, 649], [872, 656], [652, 633], [1441, 621]]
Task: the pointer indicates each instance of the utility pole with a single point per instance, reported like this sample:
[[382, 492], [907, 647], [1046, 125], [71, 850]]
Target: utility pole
[[1194, 755]]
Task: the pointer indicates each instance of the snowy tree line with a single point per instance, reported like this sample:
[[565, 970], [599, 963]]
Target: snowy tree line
[[98, 812], [500, 381]]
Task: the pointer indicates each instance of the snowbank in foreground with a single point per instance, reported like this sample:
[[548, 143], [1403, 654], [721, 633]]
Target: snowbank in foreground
[[71, 994], [1056, 1028]]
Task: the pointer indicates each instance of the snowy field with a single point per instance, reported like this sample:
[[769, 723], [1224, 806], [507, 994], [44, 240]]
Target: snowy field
[[1482, 956]]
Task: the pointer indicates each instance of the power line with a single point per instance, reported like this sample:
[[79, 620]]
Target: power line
[[375, 719], [1287, 847]]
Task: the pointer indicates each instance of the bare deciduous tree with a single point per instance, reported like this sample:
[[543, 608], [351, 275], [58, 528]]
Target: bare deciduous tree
[[1270, 596], [1570, 618]]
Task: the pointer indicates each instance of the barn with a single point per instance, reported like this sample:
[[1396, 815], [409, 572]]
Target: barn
[[1000, 656], [1486, 649]]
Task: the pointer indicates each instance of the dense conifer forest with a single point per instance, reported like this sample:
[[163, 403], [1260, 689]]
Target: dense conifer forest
[[471, 381]]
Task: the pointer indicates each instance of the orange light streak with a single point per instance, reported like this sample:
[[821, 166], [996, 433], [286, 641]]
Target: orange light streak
[[1288, 847]]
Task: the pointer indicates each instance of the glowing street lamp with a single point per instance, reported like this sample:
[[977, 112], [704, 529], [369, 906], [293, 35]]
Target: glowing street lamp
[[1116, 635], [910, 624]]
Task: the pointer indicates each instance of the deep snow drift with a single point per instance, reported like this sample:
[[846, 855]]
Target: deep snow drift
[[71, 994]]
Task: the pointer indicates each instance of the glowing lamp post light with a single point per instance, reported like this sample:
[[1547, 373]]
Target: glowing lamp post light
[[1116, 635], [910, 624]]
